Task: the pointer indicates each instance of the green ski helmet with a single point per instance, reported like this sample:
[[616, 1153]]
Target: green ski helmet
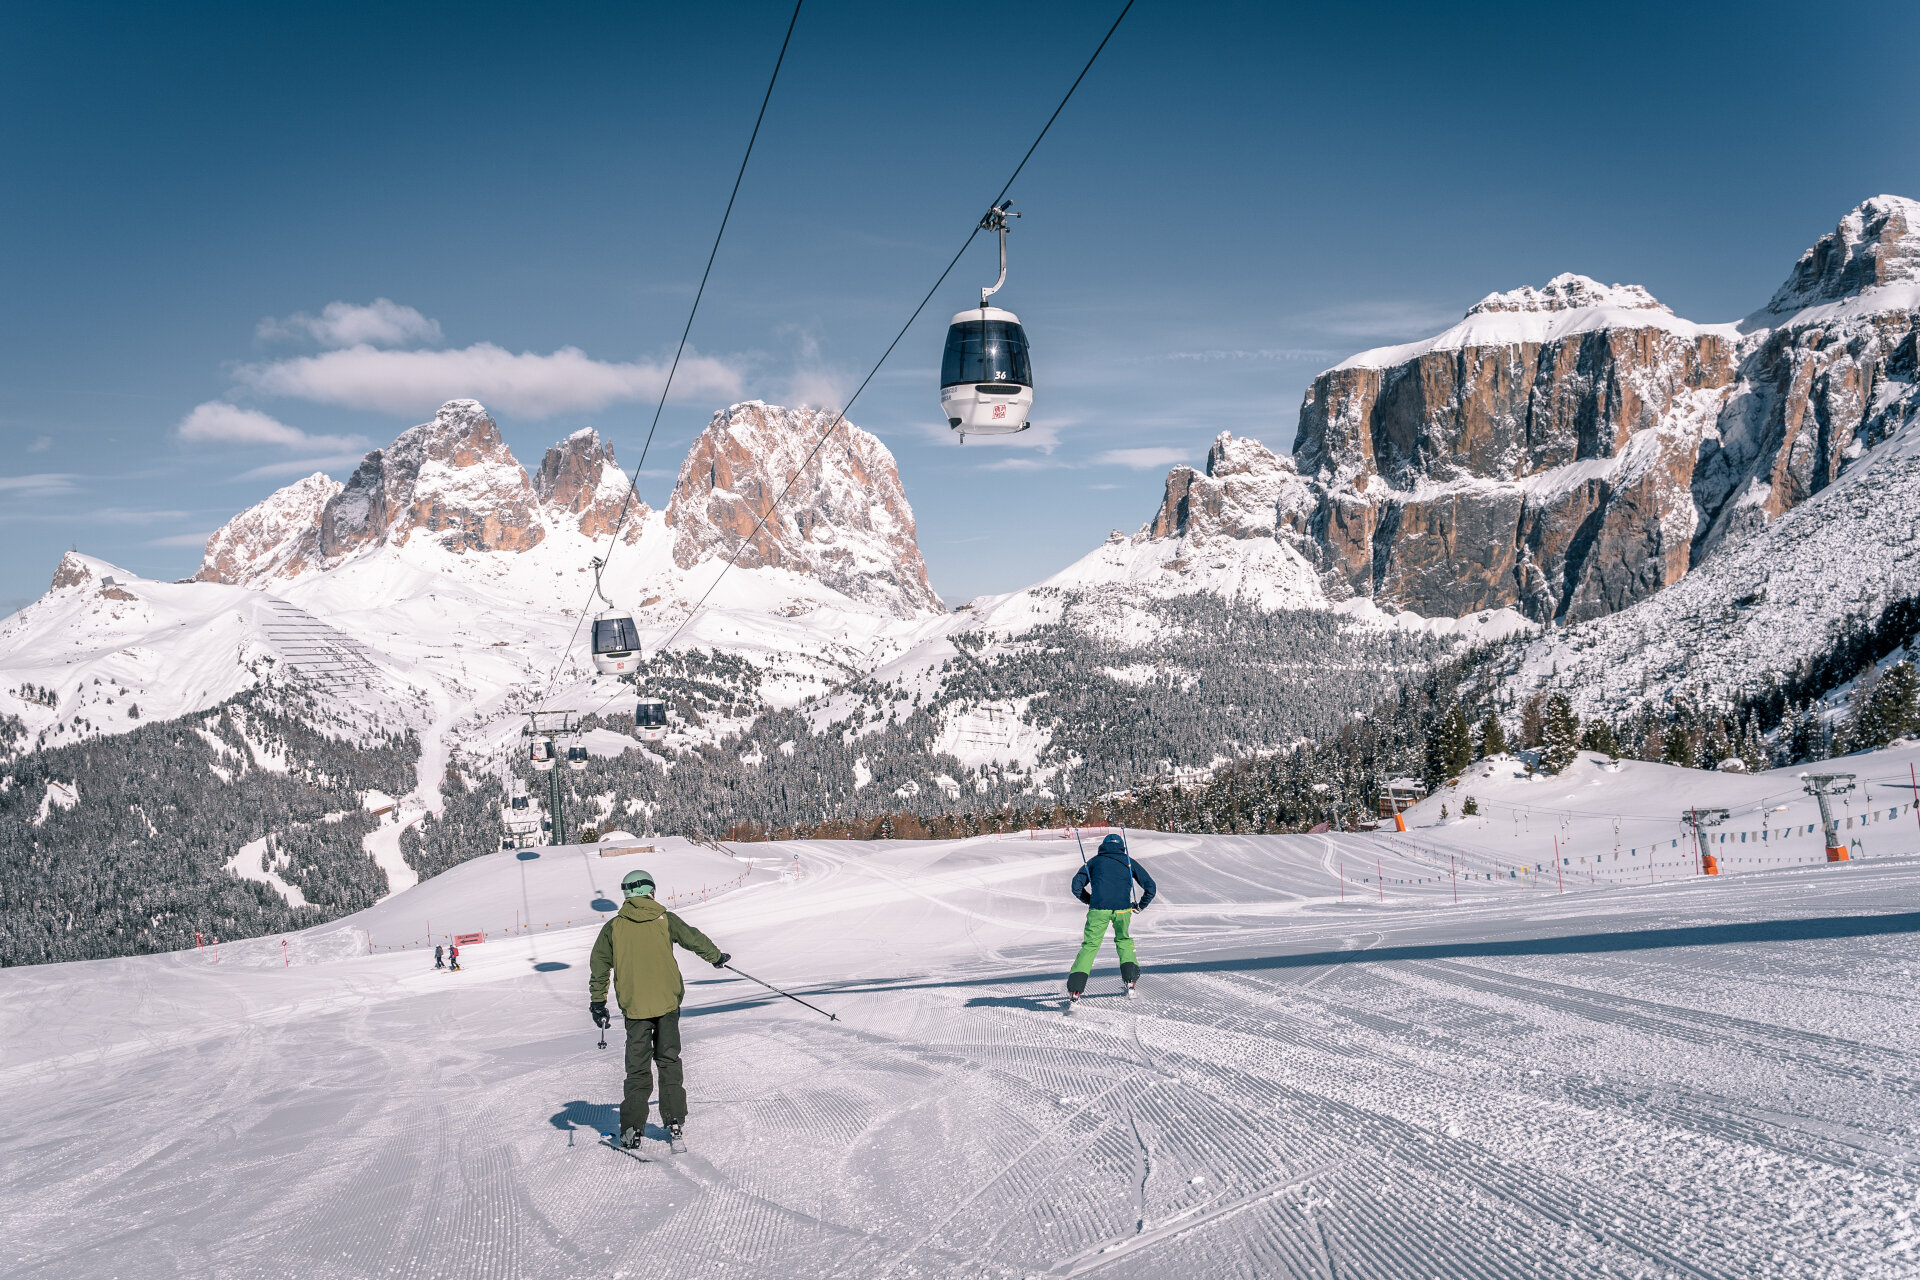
[[637, 884]]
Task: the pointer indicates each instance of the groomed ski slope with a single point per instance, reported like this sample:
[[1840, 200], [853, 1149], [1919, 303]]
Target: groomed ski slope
[[1688, 1077]]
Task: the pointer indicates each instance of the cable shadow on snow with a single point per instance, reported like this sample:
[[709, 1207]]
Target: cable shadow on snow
[[1810, 929]]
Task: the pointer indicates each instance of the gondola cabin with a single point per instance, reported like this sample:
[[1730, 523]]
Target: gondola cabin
[[650, 719], [616, 643], [986, 378]]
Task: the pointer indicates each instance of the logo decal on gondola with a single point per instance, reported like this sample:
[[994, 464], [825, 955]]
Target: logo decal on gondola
[[999, 411]]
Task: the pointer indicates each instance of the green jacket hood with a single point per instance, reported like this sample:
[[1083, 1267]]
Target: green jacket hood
[[641, 910]]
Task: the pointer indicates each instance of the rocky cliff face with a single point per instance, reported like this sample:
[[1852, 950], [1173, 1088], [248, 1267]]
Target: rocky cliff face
[[580, 477], [1247, 491], [274, 539], [1572, 449], [845, 520], [453, 482], [452, 479]]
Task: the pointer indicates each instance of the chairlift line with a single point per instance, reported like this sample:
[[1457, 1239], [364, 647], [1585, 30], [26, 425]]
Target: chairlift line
[[839, 419], [633, 481]]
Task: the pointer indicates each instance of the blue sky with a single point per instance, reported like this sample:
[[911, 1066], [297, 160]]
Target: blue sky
[[1238, 196]]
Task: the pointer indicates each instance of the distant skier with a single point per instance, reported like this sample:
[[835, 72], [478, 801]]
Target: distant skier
[[637, 945], [1105, 883], [453, 957], [439, 958]]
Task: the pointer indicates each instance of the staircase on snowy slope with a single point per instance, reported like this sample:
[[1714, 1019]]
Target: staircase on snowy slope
[[325, 655]]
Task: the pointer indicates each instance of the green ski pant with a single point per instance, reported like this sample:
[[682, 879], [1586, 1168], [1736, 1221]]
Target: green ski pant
[[651, 1040], [1096, 932]]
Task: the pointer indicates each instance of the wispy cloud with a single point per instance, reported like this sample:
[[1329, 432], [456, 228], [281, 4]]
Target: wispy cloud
[[1262, 353], [1020, 464], [303, 466], [380, 323], [45, 484], [527, 385], [1382, 318], [217, 422], [130, 515], [40, 444], [813, 381], [183, 539], [1141, 459]]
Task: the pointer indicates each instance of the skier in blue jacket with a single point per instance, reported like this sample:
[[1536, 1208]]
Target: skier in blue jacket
[[1105, 883]]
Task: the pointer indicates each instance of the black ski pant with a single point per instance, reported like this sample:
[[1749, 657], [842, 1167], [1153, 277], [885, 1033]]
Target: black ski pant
[[651, 1040]]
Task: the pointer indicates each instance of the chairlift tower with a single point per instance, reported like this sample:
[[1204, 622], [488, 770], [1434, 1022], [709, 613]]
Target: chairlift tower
[[547, 726], [1700, 820], [1820, 786]]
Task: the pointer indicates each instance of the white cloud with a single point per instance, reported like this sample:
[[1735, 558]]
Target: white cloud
[[1382, 318], [183, 539], [527, 385], [45, 484], [40, 444], [129, 515], [1019, 464], [1141, 459], [217, 422], [381, 323], [1263, 353], [303, 466]]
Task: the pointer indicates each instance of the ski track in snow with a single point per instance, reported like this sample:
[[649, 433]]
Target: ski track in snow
[[1510, 1087]]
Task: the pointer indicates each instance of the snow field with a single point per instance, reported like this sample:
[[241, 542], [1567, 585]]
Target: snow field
[[1698, 1078]]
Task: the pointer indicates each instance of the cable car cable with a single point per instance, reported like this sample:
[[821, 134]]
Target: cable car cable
[[841, 416], [633, 483]]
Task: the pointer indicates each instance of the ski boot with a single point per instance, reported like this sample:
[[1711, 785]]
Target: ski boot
[[1130, 974], [632, 1139], [1076, 984], [677, 1139]]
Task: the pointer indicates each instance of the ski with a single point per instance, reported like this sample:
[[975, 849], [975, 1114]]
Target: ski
[[677, 1144], [612, 1140]]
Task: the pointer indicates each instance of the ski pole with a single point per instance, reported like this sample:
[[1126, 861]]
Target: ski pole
[[830, 1017]]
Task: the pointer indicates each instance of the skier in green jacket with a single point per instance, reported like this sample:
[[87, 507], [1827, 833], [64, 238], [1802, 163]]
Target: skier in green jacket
[[637, 945]]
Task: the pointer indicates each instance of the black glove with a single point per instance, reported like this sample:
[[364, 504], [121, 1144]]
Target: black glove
[[721, 963], [599, 1011], [1086, 896], [1140, 906]]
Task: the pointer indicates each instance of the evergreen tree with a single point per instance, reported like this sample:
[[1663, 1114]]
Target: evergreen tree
[[1884, 709], [1533, 721], [1714, 747], [1560, 734], [1676, 746], [1753, 752], [1493, 738], [1599, 737], [1449, 746]]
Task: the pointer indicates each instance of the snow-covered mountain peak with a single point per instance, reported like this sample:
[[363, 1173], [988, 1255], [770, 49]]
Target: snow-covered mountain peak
[[1569, 291], [1876, 244], [1248, 491], [845, 521], [580, 478], [273, 538]]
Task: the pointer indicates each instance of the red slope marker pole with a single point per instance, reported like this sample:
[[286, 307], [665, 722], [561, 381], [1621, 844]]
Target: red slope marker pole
[[1916, 792]]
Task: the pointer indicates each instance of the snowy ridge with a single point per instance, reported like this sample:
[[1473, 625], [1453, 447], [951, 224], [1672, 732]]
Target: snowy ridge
[[1569, 305]]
